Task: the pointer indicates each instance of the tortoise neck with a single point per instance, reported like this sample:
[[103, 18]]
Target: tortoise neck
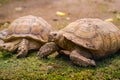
[[66, 44]]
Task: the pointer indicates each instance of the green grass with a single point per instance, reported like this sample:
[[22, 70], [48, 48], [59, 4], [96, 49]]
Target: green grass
[[31, 68]]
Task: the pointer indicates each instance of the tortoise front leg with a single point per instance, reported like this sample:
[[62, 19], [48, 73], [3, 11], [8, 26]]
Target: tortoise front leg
[[63, 53], [23, 48], [80, 60], [47, 49]]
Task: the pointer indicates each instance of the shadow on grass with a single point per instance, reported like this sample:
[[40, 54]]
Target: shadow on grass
[[102, 63], [108, 60], [6, 55], [61, 57]]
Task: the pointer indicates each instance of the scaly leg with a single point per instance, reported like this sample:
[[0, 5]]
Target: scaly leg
[[23, 48], [80, 60], [47, 49], [64, 52]]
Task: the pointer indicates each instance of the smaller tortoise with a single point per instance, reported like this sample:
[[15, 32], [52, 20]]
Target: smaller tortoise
[[24, 34], [84, 41]]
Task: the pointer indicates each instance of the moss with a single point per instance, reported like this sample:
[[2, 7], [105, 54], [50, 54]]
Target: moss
[[31, 68]]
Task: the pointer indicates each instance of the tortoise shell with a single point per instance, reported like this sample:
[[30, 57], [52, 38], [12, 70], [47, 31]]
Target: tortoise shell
[[29, 27], [93, 34]]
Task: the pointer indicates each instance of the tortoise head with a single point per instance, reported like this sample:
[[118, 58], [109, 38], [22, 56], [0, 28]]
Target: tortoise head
[[54, 36], [3, 33]]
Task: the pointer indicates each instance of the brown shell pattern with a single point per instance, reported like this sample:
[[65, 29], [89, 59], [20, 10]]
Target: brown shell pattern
[[93, 34], [29, 27]]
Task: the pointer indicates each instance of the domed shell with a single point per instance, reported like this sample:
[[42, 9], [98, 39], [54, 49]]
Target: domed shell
[[29, 27], [92, 34]]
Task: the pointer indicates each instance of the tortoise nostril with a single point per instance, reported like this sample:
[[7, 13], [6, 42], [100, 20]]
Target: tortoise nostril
[[3, 46], [54, 34]]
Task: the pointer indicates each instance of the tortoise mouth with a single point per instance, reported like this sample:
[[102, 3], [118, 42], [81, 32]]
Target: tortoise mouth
[[53, 36], [51, 39]]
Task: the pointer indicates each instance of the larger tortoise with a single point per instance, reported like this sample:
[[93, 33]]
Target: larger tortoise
[[84, 41], [24, 34]]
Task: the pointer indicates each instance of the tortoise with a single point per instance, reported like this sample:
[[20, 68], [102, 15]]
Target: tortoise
[[84, 41], [24, 34]]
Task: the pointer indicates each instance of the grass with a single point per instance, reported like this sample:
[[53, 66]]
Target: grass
[[31, 68]]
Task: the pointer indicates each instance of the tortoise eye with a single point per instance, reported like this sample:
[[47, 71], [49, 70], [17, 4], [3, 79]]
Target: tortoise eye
[[55, 34]]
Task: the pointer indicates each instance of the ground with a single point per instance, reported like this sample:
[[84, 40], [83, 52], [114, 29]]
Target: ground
[[75, 9], [31, 68]]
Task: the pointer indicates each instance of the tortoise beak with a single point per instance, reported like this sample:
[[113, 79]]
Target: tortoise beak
[[50, 38]]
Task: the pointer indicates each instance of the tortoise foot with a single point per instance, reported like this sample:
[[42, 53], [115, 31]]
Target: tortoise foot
[[23, 49]]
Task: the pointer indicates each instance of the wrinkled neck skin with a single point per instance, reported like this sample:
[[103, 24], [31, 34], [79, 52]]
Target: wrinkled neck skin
[[65, 44]]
